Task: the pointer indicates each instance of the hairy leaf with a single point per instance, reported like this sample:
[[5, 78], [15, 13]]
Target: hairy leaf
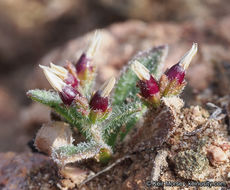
[[71, 153], [126, 85], [119, 116], [132, 121], [52, 99], [49, 98], [126, 90]]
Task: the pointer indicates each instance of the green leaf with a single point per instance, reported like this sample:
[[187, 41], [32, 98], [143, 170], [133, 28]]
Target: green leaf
[[126, 90], [81, 148], [52, 99], [119, 116], [49, 98], [126, 85], [132, 121], [71, 153]]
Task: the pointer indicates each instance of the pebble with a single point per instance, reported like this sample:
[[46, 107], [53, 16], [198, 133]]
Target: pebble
[[217, 154]]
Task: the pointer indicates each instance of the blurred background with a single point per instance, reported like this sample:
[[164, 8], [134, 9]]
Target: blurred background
[[36, 32]]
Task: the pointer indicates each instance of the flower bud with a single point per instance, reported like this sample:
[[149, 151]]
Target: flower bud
[[83, 67], [66, 92], [177, 71], [100, 101], [71, 80], [65, 75], [172, 82], [148, 85], [103, 156]]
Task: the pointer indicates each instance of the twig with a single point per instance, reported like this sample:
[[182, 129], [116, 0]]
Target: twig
[[194, 132], [218, 112], [105, 170]]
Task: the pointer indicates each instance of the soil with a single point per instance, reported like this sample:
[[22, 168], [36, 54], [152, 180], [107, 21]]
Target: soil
[[187, 150]]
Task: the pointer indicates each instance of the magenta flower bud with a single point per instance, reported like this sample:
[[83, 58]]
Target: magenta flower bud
[[68, 94], [71, 80], [65, 75], [83, 67], [172, 82], [148, 87], [82, 64], [100, 100], [176, 72]]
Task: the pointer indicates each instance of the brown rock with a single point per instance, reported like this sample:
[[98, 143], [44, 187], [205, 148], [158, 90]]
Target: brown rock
[[74, 174], [224, 27], [52, 136], [17, 169], [216, 155], [165, 122], [122, 40], [35, 114], [153, 10], [22, 20]]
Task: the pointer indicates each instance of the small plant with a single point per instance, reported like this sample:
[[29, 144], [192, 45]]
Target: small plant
[[100, 119]]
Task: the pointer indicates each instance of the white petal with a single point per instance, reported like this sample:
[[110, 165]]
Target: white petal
[[54, 81], [187, 58], [94, 44], [59, 71], [107, 87], [141, 71]]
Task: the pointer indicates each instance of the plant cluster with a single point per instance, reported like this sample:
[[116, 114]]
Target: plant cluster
[[101, 119]]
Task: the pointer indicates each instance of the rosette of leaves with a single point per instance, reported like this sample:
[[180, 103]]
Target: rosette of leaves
[[100, 119]]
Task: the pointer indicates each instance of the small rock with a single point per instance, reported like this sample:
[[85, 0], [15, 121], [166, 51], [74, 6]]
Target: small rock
[[76, 175], [216, 155], [229, 175], [16, 170], [53, 135], [66, 184]]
